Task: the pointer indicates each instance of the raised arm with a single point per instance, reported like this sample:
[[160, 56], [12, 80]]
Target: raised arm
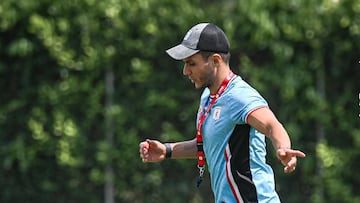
[[155, 151], [264, 120]]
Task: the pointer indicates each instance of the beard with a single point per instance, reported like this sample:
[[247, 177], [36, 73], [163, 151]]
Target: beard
[[208, 78]]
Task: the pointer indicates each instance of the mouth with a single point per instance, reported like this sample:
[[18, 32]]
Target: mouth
[[191, 80]]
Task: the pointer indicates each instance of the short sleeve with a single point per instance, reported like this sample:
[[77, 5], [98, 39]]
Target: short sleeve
[[243, 100]]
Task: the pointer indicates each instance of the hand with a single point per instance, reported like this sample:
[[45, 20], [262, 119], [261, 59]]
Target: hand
[[152, 151], [288, 158]]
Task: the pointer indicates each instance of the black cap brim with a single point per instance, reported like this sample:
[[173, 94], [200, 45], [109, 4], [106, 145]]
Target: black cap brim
[[181, 52]]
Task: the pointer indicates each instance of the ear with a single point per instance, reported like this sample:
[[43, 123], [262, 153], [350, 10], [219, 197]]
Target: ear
[[217, 59]]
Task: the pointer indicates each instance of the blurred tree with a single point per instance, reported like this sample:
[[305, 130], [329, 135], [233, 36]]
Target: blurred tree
[[55, 115]]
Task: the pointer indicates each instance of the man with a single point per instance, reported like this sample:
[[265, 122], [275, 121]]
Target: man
[[232, 122]]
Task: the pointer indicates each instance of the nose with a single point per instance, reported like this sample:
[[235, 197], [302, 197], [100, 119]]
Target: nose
[[186, 70]]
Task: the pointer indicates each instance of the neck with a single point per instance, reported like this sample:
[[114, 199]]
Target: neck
[[219, 78]]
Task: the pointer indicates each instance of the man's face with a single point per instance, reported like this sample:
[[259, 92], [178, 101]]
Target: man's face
[[201, 72]]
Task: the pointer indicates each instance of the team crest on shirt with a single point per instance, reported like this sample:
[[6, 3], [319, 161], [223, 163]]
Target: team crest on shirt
[[217, 112]]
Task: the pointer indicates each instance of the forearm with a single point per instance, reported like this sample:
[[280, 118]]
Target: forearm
[[265, 121], [185, 149], [279, 137]]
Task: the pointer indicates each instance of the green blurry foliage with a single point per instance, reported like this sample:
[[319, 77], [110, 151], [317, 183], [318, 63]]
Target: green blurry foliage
[[301, 55]]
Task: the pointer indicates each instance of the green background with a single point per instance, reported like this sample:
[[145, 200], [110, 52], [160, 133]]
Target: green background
[[84, 81]]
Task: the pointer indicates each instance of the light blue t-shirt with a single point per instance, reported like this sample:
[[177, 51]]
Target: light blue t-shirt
[[235, 152]]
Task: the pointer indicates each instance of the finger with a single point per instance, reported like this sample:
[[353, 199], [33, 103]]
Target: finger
[[143, 150], [152, 143], [292, 152], [292, 162], [296, 153], [289, 169], [143, 147], [291, 165], [144, 154], [299, 153], [281, 152], [145, 158]]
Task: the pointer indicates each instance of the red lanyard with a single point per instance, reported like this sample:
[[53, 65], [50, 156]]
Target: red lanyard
[[202, 118]]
